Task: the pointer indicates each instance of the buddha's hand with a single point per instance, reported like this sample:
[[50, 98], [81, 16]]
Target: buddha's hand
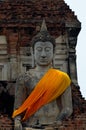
[[17, 125], [58, 123]]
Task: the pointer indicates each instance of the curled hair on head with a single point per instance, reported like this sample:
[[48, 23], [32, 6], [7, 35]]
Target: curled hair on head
[[43, 36]]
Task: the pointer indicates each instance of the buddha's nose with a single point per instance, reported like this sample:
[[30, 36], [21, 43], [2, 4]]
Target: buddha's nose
[[43, 54]]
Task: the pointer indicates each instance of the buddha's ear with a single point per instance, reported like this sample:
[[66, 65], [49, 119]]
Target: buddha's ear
[[54, 47], [54, 50], [53, 60], [33, 59]]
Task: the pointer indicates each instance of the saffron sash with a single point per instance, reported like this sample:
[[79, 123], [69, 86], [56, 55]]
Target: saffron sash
[[50, 87]]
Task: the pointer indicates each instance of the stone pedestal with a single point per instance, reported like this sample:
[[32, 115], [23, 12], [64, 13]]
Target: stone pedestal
[[46, 128], [26, 128]]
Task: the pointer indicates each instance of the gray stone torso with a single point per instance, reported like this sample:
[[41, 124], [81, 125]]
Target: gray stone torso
[[46, 114]]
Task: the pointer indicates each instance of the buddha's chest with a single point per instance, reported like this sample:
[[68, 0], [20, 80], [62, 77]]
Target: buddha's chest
[[47, 113]]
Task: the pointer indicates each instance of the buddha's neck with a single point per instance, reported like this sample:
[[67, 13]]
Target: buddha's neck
[[43, 68]]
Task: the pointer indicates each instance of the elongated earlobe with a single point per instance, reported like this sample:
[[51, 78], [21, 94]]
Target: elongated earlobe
[[53, 62], [33, 59]]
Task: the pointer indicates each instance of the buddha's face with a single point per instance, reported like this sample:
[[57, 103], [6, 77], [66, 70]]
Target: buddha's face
[[43, 52]]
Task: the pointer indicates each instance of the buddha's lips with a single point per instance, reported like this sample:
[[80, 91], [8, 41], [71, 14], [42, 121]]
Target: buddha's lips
[[43, 60], [51, 86]]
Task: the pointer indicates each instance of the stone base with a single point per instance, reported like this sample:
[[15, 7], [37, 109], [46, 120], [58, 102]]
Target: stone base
[[46, 128]]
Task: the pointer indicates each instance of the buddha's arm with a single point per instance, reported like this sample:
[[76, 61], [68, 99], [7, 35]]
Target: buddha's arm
[[20, 96], [20, 93], [66, 104]]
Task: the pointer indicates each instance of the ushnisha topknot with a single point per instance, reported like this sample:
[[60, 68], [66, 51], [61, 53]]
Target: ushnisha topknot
[[43, 35]]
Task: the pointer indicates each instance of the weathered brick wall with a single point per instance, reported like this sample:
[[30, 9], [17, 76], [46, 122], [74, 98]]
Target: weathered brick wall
[[20, 20], [5, 122]]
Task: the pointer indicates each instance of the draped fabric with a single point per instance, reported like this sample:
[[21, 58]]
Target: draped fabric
[[50, 87]]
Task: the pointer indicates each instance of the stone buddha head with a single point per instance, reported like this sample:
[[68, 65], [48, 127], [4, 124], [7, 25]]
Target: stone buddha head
[[43, 45]]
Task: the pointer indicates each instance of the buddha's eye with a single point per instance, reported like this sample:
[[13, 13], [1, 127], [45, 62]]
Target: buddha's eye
[[39, 49], [47, 49]]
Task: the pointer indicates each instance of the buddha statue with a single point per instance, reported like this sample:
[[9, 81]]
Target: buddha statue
[[43, 45]]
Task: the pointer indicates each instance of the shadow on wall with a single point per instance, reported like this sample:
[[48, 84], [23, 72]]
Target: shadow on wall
[[6, 99]]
